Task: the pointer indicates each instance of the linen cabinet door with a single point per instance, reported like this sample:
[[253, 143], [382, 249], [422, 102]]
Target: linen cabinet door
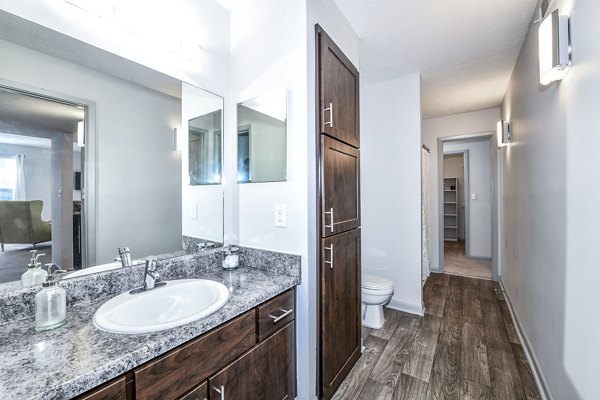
[[338, 93], [340, 190], [340, 308]]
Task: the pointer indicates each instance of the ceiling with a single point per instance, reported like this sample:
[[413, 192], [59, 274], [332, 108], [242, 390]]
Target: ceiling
[[465, 49]]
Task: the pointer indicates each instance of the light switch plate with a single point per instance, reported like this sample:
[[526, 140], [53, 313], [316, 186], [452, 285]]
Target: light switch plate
[[473, 196], [281, 215], [194, 210]]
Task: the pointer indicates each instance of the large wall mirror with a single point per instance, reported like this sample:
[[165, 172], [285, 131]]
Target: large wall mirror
[[262, 138], [88, 156]]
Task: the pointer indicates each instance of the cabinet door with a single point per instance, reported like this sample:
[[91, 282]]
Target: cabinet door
[[338, 97], [199, 393], [264, 373], [340, 308], [114, 390], [340, 187]]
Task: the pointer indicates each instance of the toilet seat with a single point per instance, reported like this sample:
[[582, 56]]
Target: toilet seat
[[377, 283]]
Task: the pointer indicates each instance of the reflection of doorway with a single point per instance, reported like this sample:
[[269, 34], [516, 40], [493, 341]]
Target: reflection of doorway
[[466, 206], [41, 133], [244, 154]]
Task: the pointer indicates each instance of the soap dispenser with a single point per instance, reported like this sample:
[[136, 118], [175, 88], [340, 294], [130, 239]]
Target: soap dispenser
[[34, 274], [51, 302]]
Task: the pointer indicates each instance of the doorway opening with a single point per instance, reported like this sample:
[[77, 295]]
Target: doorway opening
[[467, 203]]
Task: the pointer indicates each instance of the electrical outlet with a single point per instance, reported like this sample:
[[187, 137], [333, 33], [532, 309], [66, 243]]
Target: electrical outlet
[[281, 215], [194, 210]]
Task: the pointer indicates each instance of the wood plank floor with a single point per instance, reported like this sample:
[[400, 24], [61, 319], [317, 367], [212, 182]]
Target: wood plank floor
[[465, 347]]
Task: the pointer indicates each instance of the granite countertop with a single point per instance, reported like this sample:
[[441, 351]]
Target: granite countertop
[[67, 361]]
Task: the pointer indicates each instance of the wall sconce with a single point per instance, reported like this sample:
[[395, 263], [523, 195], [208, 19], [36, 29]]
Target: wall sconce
[[177, 141], [554, 48], [503, 133]]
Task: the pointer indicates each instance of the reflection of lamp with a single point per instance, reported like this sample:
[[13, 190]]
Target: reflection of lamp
[[80, 134], [554, 48], [503, 133]]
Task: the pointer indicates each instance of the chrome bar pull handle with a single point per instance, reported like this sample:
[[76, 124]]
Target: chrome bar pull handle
[[330, 226], [330, 122], [221, 392], [330, 262], [282, 316]]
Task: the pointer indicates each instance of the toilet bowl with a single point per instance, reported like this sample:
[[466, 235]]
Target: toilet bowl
[[376, 292]]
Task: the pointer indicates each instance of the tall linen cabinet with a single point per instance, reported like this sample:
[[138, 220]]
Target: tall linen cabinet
[[338, 147]]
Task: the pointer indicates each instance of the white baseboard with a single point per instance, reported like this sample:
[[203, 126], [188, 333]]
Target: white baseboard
[[405, 307], [533, 363]]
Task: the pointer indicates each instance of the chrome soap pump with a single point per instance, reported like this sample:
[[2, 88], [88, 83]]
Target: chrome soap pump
[[51, 302], [34, 274]]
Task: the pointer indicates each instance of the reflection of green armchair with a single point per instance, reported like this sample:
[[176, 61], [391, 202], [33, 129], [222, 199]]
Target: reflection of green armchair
[[21, 222]]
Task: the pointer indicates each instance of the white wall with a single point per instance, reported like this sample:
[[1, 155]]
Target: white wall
[[480, 183], [139, 173], [37, 173], [454, 125], [550, 175], [390, 125]]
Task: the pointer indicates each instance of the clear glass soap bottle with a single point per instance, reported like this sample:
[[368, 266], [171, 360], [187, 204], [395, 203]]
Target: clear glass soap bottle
[[34, 274], [50, 302]]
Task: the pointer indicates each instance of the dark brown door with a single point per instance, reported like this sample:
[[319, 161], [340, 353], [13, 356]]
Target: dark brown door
[[338, 91], [340, 308], [340, 194], [264, 373]]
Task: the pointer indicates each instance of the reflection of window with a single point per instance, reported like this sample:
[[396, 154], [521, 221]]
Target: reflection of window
[[8, 177]]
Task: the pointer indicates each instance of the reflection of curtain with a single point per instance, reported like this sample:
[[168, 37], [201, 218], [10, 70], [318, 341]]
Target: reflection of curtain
[[425, 228], [20, 186]]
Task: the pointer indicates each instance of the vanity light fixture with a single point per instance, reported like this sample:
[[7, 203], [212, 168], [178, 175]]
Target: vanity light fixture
[[554, 48], [80, 134], [503, 133]]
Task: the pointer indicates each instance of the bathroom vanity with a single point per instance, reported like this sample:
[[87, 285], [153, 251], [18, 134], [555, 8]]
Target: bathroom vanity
[[244, 350]]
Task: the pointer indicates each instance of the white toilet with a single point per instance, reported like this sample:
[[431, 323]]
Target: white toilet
[[376, 292]]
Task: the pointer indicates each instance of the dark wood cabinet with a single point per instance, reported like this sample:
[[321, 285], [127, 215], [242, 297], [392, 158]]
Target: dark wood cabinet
[[117, 389], [264, 373], [340, 314], [340, 192], [338, 138], [226, 360], [199, 393], [338, 93]]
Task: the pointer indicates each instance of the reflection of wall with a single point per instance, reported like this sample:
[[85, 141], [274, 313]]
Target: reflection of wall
[[480, 210], [76, 168], [206, 199], [62, 204], [37, 173], [139, 174], [267, 145]]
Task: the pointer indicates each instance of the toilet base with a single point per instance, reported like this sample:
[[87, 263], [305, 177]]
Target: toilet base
[[372, 316]]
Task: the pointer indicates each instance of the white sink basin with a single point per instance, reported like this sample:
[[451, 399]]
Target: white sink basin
[[177, 303]]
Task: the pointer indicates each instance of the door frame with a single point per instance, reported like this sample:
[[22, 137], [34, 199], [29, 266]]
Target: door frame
[[466, 191], [495, 180]]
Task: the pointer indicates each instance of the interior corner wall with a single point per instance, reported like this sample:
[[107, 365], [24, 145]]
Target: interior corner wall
[[550, 214], [453, 125], [390, 124]]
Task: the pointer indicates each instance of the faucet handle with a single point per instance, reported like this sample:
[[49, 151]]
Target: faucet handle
[[151, 263]]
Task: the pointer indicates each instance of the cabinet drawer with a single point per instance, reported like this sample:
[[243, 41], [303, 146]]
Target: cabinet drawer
[[199, 393], [276, 313], [177, 372], [114, 390]]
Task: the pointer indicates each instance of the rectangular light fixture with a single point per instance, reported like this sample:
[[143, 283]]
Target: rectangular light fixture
[[554, 48], [503, 133], [80, 134]]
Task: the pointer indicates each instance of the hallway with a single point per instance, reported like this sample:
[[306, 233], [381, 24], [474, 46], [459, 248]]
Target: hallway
[[465, 347], [457, 263]]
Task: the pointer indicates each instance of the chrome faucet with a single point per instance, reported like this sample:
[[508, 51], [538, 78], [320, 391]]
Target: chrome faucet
[[151, 277], [125, 256]]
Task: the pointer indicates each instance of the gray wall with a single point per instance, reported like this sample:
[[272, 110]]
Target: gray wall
[[480, 210], [551, 186], [139, 174], [37, 173]]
